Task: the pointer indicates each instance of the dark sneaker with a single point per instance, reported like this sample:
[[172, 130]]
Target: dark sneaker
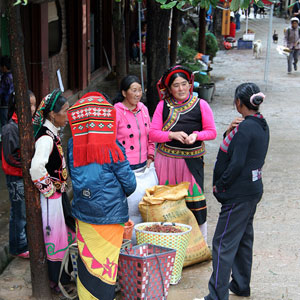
[[295, 66]]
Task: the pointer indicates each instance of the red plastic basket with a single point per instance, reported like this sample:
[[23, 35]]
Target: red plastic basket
[[145, 272]]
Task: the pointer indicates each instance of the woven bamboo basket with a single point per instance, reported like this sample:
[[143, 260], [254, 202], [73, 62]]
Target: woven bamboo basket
[[177, 241]]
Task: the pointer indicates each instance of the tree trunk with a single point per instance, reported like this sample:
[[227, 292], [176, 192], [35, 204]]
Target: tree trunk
[[174, 36], [202, 30], [119, 38], [38, 261], [156, 49], [217, 25]]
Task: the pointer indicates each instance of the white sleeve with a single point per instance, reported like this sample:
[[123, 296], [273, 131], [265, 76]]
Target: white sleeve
[[43, 149]]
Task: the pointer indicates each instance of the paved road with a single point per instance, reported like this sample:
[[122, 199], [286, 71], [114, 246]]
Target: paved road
[[276, 249]]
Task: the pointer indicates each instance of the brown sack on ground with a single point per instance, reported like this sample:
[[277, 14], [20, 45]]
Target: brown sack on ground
[[166, 203]]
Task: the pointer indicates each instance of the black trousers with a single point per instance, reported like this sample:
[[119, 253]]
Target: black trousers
[[232, 250]]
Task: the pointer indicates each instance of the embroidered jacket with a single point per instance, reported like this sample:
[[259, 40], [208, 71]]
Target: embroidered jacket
[[191, 116], [160, 129], [237, 172], [48, 167]]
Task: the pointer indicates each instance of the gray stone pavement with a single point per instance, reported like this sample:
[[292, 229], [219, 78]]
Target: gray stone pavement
[[276, 248]]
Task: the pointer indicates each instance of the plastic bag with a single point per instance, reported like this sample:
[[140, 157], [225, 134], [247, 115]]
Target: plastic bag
[[145, 178], [166, 203]]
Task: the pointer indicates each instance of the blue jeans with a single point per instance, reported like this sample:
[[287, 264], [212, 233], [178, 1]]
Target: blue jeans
[[17, 221], [293, 58], [237, 21]]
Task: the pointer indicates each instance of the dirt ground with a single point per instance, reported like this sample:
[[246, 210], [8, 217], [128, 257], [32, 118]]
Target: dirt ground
[[276, 248]]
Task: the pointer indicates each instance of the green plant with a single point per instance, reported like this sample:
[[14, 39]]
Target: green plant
[[186, 54], [211, 45], [190, 39], [235, 4], [196, 67]]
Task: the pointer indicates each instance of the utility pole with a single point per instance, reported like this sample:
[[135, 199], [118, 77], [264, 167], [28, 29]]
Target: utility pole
[[38, 259], [267, 63]]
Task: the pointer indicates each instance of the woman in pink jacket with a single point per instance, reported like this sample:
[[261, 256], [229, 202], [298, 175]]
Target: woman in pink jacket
[[180, 124], [133, 123]]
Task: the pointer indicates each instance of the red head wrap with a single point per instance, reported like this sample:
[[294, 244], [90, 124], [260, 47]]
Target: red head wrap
[[93, 124], [162, 84]]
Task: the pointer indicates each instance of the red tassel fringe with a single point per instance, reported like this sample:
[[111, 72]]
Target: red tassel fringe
[[92, 153]]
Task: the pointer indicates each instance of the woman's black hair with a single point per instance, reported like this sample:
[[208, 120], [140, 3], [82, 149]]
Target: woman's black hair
[[175, 75], [12, 103], [60, 102], [244, 92], [5, 62], [126, 82]]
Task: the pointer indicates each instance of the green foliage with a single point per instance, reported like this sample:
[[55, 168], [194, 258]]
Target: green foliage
[[211, 44], [190, 38], [235, 4], [260, 3], [23, 2], [189, 44], [195, 67], [169, 5], [186, 54], [188, 49]]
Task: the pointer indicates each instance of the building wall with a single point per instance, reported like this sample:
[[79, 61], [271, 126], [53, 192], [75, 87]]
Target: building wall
[[60, 60]]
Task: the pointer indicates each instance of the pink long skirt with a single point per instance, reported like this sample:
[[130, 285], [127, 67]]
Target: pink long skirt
[[174, 171]]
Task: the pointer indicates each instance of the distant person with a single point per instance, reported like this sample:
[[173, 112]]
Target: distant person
[[209, 18], [296, 10], [237, 16], [292, 41], [255, 8], [232, 28], [6, 88], [237, 185], [143, 46], [11, 165], [134, 50]]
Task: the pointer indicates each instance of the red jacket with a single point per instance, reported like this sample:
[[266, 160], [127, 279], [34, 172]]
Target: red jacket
[[232, 30], [11, 160]]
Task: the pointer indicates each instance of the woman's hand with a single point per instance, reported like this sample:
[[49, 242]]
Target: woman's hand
[[178, 135], [191, 139], [149, 161], [234, 124]]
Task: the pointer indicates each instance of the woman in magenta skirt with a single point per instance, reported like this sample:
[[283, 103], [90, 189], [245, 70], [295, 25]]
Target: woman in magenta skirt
[[180, 125]]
